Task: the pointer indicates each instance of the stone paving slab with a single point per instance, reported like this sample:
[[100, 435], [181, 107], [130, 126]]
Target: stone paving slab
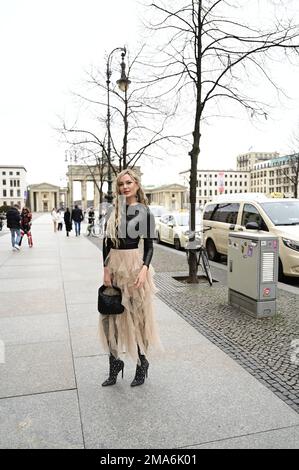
[[30, 272], [35, 368], [25, 285], [16, 260], [182, 403], [208, 396], [33, 328], [44, 421], [83, 320], [287, 438], [42, 301]]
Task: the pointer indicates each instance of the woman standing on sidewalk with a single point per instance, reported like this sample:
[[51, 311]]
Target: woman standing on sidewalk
[[26, 222], [68, 221], [54, 216], [135, 329]]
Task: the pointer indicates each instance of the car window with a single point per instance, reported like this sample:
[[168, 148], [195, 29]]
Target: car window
[[282, 212], [164, 219], [251, 214], [182, 219], [227, 213], [209, 212]]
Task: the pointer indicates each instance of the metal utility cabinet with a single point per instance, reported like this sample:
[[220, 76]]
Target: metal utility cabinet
[[253, 272]]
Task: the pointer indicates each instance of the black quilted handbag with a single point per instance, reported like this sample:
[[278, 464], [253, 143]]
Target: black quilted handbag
[[109, 300]]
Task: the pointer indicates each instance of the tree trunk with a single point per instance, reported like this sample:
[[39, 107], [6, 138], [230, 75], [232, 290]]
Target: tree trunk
[[193, 268]]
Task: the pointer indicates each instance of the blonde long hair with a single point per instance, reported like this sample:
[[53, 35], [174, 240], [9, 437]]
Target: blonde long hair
[[115, 219]]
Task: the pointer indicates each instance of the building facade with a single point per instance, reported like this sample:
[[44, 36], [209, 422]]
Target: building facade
[[44, 197], [211, 183], [275, 176], [246, 161], [13, 186], [171, 196]]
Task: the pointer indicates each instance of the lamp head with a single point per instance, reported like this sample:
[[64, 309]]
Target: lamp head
[[123, 83]]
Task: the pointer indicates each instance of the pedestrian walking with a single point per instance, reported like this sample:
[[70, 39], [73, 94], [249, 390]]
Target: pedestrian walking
[[59, 220], [54, 216], [14, 224], [26, 222], [68, 221], [77, 217], [134, 330]]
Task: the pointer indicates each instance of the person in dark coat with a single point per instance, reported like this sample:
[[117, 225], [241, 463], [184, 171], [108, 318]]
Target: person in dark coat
[[77, 217], [68, 221], [14, 224]]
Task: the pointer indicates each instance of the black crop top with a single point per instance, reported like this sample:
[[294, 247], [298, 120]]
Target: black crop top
[[136, 222]]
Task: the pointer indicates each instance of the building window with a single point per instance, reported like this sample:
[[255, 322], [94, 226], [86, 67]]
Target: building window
[[11, 183], [4, 182], [11, 193], [4, 192], [3, 172], [10, 173], [17, 173], [18, 193]]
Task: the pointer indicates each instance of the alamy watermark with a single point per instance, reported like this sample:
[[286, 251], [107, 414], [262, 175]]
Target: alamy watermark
[[2, 352], [295, 352]]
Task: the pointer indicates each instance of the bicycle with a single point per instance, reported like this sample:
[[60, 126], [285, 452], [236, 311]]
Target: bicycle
[[201, 257], [96, 229]]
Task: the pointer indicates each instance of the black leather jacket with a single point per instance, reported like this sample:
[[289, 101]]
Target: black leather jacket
[[136, 222], [13, 218]]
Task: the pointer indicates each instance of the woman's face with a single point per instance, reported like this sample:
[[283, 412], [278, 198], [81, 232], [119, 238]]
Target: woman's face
[[128, 187]]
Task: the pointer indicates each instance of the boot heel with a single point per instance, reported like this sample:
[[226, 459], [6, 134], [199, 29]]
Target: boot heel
[[122, 371]]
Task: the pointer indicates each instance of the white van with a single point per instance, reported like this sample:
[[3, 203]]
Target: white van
[[279, 217]]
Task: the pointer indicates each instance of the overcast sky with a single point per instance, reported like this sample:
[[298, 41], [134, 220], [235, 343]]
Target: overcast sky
[[46, 45]]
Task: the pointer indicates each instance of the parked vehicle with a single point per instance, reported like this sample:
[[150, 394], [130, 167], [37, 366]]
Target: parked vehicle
[[157, 212], [279, 217], [173, 228]]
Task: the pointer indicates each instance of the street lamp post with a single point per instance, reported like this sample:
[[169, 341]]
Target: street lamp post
[[123, 84], [71, 158]]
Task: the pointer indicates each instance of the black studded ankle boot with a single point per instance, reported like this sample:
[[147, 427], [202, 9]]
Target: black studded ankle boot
[[115, 366], [141, 370]]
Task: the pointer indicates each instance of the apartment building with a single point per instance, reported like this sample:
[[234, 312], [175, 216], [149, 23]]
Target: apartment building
[[13, 186], [246, 161], [211, 183], [273, 176]]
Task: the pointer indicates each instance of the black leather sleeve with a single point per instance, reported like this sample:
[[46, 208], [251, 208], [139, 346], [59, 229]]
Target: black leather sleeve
[[107, 245], [107, 242], [148, 247]]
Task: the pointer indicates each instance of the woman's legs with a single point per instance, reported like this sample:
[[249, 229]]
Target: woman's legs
[[141, 369], [115, 364]]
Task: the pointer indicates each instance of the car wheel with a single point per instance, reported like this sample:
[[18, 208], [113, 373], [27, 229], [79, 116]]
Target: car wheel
[[211, 250], [177, 243]]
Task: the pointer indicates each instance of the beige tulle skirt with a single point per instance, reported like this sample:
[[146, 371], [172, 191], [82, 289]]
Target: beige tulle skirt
[[136, 326]]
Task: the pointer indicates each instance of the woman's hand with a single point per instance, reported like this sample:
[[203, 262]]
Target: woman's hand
[[107, 277], [141, 278]]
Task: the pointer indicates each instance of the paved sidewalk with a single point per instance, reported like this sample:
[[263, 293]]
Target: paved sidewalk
[[196, 396]]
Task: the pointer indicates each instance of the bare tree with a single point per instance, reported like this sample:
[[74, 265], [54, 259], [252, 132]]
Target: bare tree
[[138, 123], [213, 49]]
